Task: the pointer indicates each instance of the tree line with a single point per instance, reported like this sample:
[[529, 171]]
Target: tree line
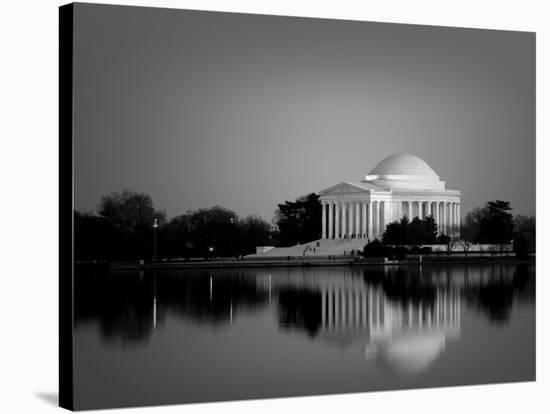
[[491, 224], [125, 224]]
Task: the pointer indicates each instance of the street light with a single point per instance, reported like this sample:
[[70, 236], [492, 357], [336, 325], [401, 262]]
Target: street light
[[155, 225]]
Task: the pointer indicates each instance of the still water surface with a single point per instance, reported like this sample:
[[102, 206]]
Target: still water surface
[[180, 336]]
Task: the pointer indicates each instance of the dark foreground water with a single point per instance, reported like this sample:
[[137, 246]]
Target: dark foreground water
[[195, 335]]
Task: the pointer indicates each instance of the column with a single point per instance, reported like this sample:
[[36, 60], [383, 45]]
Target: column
[[399, 210], [336, 308], [450, 218], [330, 304], [323, 308], [357, 220], [453, 215], [324, 221], [363, 308], [337, 220], [445, 324], [344, 226], [382, 218], [452, 212], [437, 217], [330, 218], [442, 217], [446, 216], [364, 223], [351, 307], [370, 220], [350, 219], [458, 214], [429, 212], [342, 308], [357, 294], [376, 219], [443, 222], [409, 210]]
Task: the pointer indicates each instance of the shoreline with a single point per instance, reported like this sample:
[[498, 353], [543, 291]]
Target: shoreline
[[306, 262]]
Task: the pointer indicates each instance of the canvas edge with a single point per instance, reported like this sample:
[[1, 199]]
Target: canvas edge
[[66, 197]]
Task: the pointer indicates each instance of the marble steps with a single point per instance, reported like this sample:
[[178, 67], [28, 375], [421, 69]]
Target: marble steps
[[322, 247]]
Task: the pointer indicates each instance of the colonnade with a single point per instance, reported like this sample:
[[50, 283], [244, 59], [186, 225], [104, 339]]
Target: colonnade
[[369, 308], [345, 219], [345, 308]]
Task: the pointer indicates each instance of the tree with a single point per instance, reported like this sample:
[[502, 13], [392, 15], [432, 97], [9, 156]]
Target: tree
[[416, 232], [129, 209], [377, 249], [447, 240], [96, 239], [174, 238], [525, 235], [254, 232], [213, 232], [130, 215], [431, 230], [299, 221], [497, 224], [469, 231], [397, 233], [122, 229]]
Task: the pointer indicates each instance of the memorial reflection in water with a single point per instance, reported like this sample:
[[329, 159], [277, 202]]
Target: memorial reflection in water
[[406, 332], [329, 329]]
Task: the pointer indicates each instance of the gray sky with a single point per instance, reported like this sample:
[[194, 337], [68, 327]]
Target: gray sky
[[246, 111]]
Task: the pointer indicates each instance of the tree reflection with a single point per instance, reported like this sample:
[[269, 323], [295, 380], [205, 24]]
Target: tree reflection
[[129, 305], [300, 309], [342, 306], [501, 287]]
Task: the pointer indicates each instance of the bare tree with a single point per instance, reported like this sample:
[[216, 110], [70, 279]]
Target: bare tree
[[469, 231]]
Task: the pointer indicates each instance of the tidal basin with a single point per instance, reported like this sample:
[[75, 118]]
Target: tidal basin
[[192, 335]]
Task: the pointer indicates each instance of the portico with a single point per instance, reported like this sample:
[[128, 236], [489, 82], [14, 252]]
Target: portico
[[400, 185]]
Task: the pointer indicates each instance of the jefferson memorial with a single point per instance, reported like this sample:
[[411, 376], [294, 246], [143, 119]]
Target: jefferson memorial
[[400, 185]]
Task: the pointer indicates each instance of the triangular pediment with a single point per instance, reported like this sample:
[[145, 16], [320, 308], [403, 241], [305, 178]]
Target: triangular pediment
[[344, 188]]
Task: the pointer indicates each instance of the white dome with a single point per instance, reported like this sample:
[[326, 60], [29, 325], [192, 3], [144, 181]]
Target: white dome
[[404, 171], [403, 164], [412, 353]]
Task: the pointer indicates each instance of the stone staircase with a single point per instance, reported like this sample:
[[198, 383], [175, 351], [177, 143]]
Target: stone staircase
[[321, 247]]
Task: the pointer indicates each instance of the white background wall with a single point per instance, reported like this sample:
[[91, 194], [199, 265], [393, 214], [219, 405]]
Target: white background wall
[[28, 163]]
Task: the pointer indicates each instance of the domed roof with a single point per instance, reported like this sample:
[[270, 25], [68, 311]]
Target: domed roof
[[415, 353], [410, 353], [403, 164]]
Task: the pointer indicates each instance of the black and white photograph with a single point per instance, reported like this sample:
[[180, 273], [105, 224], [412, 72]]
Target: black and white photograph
[[322, 207], [288, 206]]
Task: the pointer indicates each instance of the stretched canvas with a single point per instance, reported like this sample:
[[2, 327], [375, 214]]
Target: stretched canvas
[[258, 206]]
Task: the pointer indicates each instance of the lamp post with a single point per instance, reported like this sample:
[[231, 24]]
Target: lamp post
[[155, 226]]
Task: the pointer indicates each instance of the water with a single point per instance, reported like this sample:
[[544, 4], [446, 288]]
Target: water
[[178, 336]]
